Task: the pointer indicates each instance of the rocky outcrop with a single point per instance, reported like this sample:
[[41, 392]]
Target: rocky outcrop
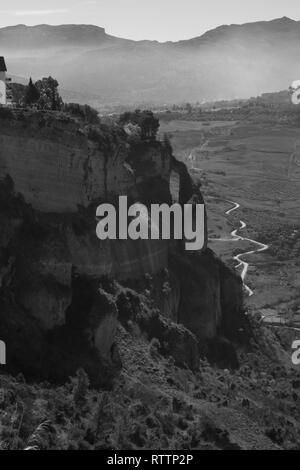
[[171, 339], [43, 254], [232, 302], [129, 259], [57, 275], [211, 299], [58, 165], [175, 341], [103, 323]]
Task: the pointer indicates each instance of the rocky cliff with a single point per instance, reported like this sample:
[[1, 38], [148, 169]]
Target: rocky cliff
[[62, 291], [58, 165]]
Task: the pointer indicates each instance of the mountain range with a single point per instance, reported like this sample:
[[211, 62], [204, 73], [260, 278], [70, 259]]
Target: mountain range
[[231, 61]]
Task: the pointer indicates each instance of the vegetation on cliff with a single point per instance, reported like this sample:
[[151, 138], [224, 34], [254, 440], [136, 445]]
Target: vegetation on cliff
[[156, 340], [155, 405]]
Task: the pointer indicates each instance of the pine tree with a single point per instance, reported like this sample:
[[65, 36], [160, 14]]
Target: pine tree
[[32, 94]]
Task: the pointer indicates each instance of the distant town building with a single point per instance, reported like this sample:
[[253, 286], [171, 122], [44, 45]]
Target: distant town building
[[5, 84], [3, 71]]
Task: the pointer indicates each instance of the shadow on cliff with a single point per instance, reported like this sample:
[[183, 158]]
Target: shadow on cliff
[[62, 295]]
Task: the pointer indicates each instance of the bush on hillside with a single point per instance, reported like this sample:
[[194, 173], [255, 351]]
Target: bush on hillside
[[146, 120], [85, 112]]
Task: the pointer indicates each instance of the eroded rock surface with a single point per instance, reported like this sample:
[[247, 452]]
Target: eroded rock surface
[[54, 270]]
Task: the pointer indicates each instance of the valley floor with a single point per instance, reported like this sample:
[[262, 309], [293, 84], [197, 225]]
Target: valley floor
[[256, 166]]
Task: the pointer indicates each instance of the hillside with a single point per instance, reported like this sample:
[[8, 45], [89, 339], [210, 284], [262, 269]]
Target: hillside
[[227, 62], [171, 361]]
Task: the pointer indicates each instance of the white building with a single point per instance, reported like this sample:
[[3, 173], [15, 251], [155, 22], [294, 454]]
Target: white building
[[3, 71]]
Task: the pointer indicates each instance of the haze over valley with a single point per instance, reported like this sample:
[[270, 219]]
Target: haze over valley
[[235, 61]]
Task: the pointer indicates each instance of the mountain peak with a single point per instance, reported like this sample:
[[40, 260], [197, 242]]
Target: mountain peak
[[284, 19]]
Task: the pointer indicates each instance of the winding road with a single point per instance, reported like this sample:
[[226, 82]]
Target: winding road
[[261, 247], [234, 234], [236, 237]]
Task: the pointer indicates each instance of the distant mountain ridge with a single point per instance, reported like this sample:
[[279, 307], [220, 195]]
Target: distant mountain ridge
[[234, 61], [46, 35]]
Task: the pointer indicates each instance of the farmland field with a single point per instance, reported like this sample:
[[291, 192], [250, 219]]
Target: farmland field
[[256, 166]]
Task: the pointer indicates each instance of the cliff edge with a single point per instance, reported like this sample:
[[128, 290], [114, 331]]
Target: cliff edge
[[63, 292]]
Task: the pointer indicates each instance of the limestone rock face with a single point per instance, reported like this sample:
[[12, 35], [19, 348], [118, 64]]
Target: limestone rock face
[[47, 261], [57, 168], [122, 259], [9, 226], [53, 174], [103, 320], [175, 340], [211, 294], [170, 298], [182, 345], [44, 278], [151, 161], [47, 308], [9, 229], [231, 301]]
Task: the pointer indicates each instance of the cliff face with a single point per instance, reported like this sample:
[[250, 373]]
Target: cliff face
[[211, 294], [56, 167], [60, 167], [58, 280]]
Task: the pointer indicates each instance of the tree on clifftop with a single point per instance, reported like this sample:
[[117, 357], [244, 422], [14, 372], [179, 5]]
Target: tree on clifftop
[[49, 96], [146, 120], [32, 94]]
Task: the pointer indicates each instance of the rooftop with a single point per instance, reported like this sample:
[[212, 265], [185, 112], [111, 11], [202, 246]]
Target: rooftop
[[2, 64]]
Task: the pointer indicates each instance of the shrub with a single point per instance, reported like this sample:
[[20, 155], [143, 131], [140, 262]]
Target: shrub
[[146, 120], [85, 112]]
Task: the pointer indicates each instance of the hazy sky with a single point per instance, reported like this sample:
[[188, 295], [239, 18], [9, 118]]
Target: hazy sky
[[147, 19]]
